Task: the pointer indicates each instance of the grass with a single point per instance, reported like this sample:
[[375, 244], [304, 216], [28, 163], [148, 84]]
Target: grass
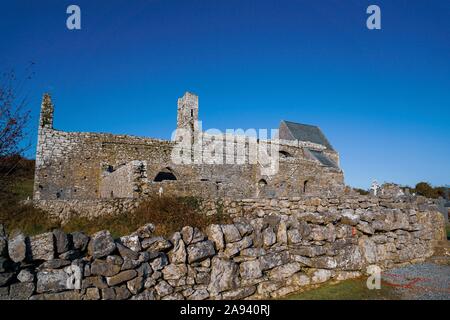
[[352, 289], [447, 228]]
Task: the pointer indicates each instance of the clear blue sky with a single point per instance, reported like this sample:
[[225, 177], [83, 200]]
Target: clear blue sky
[[382, 97]]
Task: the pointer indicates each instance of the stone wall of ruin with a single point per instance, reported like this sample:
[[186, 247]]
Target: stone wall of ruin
[[273, 248], [73, 165]]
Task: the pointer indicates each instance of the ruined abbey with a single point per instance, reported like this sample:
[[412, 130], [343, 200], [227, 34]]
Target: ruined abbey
[[90, 166]]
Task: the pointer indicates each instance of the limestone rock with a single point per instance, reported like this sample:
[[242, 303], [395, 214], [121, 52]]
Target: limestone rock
[[108, 294], [130, 264], [92, 294], [51, 281], [25, 276], [284, 271], [132, 242], [178, 253], [202, 278], [200, 251], [71, 255], [17, 249], [146, 231], [266, 287], [191, 235], [54, 264], [156, 244], [273, 260], [224, 276], [200, 294], [101, 244], [21, 290], [347, 217], [145, 270], [214, 232], [244, 228], [239, 293], [66, 295], [294, 236], [61, 240], [365, 227], [298, 280], [163, 288], [136, 285], [126, 252], [80, 240], [318, 233], [368, 249], [160, 262], [350, 258], [234, 248], [320, 276], [174, 271], [122, 293], [148, 294], [121, 277], [282, 235], [323, 262], [231, 233], [269, 237], [309, 251], [343, 231], [94, 281], [105, 268], [42, 247], [250, 269], [173, 296]]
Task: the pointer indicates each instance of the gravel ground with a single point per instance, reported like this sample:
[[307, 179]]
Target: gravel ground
[[425, 281]]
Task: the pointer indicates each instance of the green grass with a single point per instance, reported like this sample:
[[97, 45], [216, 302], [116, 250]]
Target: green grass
[[353, 289], [23, 189], [447, 228]]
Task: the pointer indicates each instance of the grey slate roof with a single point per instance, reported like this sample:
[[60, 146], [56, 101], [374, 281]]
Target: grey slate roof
[[323, 159], [306, 132]]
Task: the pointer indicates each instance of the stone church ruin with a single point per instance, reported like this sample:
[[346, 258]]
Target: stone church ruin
[[96, 166]]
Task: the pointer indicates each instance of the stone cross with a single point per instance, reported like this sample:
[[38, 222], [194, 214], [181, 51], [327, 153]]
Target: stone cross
[[374, 187]]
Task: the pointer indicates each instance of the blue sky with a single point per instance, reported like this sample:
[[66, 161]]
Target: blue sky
[[382, 97]]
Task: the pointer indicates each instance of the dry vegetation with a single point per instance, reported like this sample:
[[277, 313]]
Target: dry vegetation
[[168, 214]]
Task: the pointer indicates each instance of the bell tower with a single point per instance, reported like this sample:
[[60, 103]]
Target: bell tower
[[187, 118]]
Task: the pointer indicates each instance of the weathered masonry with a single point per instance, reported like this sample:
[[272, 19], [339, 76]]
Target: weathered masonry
[[84, 166], [272, 248]]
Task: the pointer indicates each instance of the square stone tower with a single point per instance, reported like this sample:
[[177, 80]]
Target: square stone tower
[[187, 118]]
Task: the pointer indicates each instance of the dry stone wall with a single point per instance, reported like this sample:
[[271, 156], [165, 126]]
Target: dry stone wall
[[271, 249]]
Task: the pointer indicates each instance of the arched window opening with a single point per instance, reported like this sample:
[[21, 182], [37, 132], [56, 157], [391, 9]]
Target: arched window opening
[[262, 183], [305, 186], [165, 174], [285, 154]]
